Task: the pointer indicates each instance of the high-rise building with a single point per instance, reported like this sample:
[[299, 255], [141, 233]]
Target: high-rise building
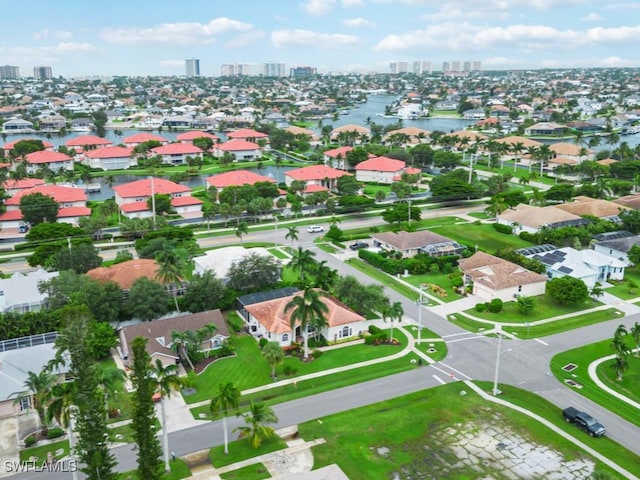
[[302, 71], [42, 73], [420, 67], [9, 72], [456, 66], [476, 66], [446, 66], [273, 70], [466, 66], [193, 67], [399, 67]]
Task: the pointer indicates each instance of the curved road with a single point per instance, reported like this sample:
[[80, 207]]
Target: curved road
[[524, 363]]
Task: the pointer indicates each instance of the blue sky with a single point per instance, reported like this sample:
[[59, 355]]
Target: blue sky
[[155, 37]]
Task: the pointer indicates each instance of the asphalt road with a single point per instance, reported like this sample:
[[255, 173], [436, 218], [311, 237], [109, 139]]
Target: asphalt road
[[524, 364]]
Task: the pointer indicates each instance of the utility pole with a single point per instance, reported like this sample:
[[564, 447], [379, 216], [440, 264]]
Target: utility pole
[[420, 316], [470, 167], [153, 204], [496, 392]]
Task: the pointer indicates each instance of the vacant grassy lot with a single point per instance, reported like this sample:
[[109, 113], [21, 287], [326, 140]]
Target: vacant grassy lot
[[545, 307], [581, 357], [386, 280], [39, 452], [482, 235], [427, 223], [444, 280], [407, 435]]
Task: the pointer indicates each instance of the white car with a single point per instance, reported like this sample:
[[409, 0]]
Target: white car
[[315, 229]]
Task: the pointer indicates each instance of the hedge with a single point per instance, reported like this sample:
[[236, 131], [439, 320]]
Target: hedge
[[419, 264]]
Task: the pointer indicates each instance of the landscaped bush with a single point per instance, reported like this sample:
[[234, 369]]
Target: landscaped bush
[[393, 264], [481, 307], [316, 353], [235, 322], [55, 432], [30, 441], [495, 306], [499, 227], [374, 330], [263, 341], [288, 370], [529, 237]]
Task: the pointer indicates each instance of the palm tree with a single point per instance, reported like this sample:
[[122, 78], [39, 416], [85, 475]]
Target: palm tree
[[273, 354], [228, 397], [292, 233], [179, 341], [302, 260], [393, 312], [309, 311], [517, 149], [496, 207], [109, 379], [620, 365], [37, 390], [166, 379], [325, 276], [241, 230], [259, 414], [170, 272], [635, 333]]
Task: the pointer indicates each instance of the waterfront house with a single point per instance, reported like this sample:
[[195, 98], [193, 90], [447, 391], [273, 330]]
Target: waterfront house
[[337, 157], [110, 158], [142, 137], [240, 149], [382, 170], [321, 175], [54, 161], [20, 293], [87, 142], [176, 153], [248, 135], [236, 178], [133, 197]]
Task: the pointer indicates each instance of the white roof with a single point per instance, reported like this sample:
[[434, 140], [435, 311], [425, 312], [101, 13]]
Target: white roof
[[220, 260], [23, 287]]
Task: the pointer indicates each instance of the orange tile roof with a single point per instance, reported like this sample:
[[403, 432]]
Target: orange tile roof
[[10, 145], [11, 215], [58, 193], [177, 149], [109, 152], [381, 164], [237, 145], [246, 133], [315, 172], [184, 201], [84, 140], [193, 134], [142, 188], [335, 152], [23, 183], [74, 212], [144, 137], [237, 178], [126, 273], [134, 207]]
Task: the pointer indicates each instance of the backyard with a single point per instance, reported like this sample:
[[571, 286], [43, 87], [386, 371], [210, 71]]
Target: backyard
[[483, 236]]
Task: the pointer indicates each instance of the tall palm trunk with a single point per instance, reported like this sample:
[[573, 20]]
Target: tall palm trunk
[[165, 436], [226, 435]]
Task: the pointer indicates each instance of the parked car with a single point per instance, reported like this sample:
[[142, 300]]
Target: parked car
[[315, 229], [358, 245], [583, 421], [23, 228]]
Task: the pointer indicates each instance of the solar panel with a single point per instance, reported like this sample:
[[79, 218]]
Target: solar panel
[[565, 270], [259, 297]]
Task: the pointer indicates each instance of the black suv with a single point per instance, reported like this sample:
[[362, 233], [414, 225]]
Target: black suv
[[358, 245]]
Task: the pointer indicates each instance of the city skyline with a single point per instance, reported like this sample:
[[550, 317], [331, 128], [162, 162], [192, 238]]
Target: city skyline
[[330, 35]]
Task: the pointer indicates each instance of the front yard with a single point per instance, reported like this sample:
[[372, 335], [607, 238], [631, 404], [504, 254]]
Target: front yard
[[443, 280], [483, 236], [627, 288]]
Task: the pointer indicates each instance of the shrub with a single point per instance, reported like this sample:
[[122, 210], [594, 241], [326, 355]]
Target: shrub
[[529, 237], [190, 380], [376, 339], [54, 432], [235, 322], [317, 353], [263, 341], [288, 370], [495, 306], [30, 441], [374, 330], [481, 307], [499, 227]]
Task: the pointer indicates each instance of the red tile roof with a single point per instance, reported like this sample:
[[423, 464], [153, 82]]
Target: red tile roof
[[246, 133], [47, 156], [58, 193], [184, 201], [109, 152], [144, 137], [193, 134], [315, 172], [11, 215], [23, 183], [236, 178], [134, 207], [74, 212], [84, 140], [340, 151], [177, 149], [381, 164], [237, 145], [10, 145], [142, 188]]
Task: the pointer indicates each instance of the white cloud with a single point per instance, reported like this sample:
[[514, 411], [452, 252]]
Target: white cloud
[[54, 34], [358, 22], [307, 38], [592, 17], [318, 7], [352, 3], [45, 55], [245, 39], [182, 33], [466, 36], [171, 63]]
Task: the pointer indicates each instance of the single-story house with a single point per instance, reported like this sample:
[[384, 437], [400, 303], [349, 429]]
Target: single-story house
[[494, 277], [631, 201], [17, 125], [20, 294], [411, 243], [593, 207], [267, 319], [158, 334], [615, 244], [528, 218], [315, 175], [382, 170], [240, 149], [589, 266], [352, 133], [176, 153], [111, 158], [545, 128], [312, 136]]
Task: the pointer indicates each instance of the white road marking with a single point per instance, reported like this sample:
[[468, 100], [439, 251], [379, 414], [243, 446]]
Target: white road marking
[[457, 371], [442, 382], [540, 341]]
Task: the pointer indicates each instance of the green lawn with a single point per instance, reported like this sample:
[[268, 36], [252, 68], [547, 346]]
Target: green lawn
[[179, 470], [545, 307], [427, 223], [623, 289], [582, 357], [39, 452], [276, 252], [257, 471], [484, 236], [383, 278], [241, 450], [413, 429], [544, 329], [480, 215], [313, 386], [249, 369], [444, 280]]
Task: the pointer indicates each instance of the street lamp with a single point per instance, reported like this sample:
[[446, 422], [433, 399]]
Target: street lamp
[[497, 392], [419, 302]]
